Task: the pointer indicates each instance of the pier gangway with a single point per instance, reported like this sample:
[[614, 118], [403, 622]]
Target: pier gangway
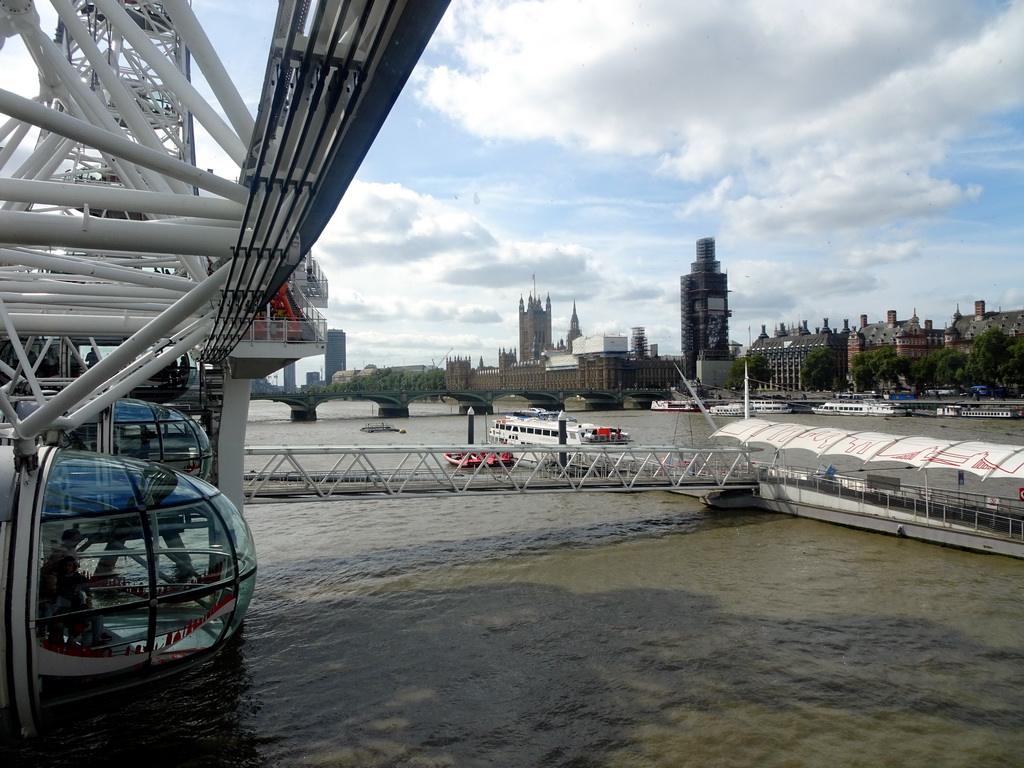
[[391, 471], [925, 506]]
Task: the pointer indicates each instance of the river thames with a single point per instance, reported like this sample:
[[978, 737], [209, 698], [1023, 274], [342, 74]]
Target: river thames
[[594, 630]]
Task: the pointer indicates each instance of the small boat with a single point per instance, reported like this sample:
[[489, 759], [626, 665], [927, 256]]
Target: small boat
[[977, 412], [675, 406], [474, 460], [859, 408], [380, 426], [756, 407]]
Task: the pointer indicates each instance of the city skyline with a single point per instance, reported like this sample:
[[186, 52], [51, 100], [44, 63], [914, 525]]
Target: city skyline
[[847, 158]]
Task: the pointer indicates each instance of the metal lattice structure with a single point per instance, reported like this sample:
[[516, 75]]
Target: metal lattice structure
[[409, 471], [126, 269], [121, 257]]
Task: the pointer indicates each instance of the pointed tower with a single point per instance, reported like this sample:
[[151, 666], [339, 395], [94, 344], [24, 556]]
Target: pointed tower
[[574, 329]]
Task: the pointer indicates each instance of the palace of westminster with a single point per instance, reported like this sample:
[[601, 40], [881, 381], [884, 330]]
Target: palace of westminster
[[615, 362], [612, 361]]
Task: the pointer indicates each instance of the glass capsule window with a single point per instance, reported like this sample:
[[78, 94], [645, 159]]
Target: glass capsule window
[[137, 565], [149, 431]]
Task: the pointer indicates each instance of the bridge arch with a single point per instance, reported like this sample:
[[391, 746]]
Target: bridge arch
[[395, 404]]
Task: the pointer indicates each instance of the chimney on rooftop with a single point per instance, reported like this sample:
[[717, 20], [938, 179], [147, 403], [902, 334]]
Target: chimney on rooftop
[[863, 320], [979, 309], [891, 316]]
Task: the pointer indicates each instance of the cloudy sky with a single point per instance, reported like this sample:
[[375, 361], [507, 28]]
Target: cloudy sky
[[849, 157]]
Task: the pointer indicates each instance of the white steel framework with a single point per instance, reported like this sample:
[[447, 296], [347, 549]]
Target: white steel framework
[[389, 471], [119, 255]]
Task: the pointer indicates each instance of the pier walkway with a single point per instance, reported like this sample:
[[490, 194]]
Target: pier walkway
[[390, 471], [954, 518]]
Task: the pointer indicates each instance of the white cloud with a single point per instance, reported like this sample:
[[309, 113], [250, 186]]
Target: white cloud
[[848, 156], [803, 117], [387, 224], [882, 253]]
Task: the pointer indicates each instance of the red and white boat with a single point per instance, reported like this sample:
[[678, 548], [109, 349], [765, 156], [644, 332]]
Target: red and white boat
[[474, 460]]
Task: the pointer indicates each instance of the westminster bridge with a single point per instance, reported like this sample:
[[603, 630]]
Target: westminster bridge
[[395, 404]]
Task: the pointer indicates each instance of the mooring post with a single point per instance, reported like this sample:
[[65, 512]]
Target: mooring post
[[469, 426]]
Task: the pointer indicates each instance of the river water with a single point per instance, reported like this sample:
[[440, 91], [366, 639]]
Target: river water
[[593, 630]]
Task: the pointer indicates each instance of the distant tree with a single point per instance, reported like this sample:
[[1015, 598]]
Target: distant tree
[[757, 369], [391, 380], [988, 353], [879, 367], [431, 379], [1013, 365], [734, 378], [818, 370], [890, 369], [949, 365], [860, 371], [922, 371]]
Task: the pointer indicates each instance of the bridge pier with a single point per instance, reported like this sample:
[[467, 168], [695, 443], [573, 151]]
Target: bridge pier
[[303, 413], [392, 411]]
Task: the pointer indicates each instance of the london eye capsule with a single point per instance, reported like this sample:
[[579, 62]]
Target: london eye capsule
[[150, 431], [120, 574]]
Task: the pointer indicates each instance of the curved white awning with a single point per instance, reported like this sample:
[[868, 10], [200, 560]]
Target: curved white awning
[[994, 460]]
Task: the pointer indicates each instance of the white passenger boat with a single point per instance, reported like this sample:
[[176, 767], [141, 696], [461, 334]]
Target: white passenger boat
[[675, 406], [860, 408], [757, 407], [539, 427], [978, 412]]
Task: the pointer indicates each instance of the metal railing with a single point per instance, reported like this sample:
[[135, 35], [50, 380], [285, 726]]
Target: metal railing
[[928, 506], [306, 329], [406, 470]]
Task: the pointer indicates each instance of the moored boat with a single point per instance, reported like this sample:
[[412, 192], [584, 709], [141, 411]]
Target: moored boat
[[979, 412], [675, 406], [538, 427], [859, 408], [759, 407]]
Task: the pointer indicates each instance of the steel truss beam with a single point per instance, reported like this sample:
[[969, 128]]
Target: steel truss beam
[[110, 228], [389, 471]]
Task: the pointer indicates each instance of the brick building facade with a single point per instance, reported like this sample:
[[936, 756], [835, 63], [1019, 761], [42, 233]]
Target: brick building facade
[[590, 372], [961, 332], [788, 348]]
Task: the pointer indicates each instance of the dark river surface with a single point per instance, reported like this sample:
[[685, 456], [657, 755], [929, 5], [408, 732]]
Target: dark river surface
[[587, 630]]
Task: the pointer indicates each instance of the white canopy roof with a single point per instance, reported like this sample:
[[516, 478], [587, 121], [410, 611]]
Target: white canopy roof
[[985, 459]]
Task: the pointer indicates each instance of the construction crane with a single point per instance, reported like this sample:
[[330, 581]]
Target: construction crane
[[433, 363]]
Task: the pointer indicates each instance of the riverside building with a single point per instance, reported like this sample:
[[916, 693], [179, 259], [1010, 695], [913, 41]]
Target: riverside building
[[787, 349], [600, 361]]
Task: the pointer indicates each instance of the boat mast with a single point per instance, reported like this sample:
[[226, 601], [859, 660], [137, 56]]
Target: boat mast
[[697, 400]]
